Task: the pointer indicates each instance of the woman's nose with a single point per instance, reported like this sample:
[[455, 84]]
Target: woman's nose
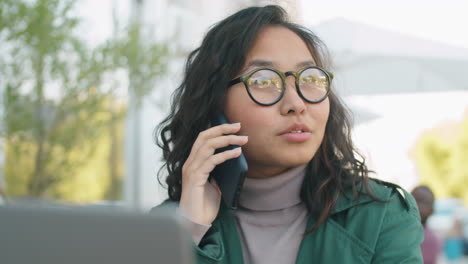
[[291, 102]]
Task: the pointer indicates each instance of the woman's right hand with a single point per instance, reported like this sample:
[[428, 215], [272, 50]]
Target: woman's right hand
[[200, 198]]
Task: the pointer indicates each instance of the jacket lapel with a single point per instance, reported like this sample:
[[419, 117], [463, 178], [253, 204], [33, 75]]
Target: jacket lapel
[[228, 226]]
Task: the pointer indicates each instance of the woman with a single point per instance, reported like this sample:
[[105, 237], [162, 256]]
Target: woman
[[306, 198]]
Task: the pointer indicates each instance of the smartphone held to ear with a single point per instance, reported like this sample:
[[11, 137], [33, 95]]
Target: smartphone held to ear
[[230, 174]]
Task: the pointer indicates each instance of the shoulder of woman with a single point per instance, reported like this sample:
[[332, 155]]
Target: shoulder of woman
[[400, 229], [393, 194], [379, 195], [390, 226]]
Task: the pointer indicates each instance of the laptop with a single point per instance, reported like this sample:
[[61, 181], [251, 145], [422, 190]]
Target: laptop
[[90, 236]]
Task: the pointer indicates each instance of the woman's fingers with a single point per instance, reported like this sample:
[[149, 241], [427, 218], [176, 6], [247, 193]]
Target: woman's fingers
[[211, 145], [223, 141], [216, 131], [211, 133], [200, 169], [219, 158], [203, 159]]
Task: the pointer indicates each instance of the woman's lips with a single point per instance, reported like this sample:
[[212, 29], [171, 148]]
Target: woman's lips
[[296, 136]]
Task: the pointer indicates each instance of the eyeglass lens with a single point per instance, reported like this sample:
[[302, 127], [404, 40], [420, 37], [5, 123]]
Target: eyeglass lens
[[266, 86]]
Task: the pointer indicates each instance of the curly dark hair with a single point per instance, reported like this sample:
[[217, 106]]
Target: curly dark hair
[[334, 168]]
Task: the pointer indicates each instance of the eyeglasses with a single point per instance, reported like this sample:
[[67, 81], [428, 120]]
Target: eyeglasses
[[266, 86]]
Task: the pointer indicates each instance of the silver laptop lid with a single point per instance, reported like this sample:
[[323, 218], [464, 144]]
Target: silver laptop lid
[[85, 236]]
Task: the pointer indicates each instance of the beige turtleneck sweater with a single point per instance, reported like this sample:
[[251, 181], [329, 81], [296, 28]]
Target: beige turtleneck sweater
[[271, 218]]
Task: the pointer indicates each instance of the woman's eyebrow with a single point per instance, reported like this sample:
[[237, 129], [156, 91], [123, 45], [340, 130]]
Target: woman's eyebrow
[[305, 64], [256, 63], [259, 63], [266, 63]]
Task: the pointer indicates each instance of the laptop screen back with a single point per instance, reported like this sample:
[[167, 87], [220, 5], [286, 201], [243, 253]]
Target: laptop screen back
[[53, 236]]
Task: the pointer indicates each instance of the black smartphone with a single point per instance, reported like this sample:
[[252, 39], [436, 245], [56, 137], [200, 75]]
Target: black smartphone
[[230, 174]]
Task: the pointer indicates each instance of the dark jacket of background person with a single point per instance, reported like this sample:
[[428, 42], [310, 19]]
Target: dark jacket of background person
[[358, 231]]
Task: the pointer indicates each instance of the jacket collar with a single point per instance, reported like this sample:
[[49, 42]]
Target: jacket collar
[[378, 188], [347, 200]]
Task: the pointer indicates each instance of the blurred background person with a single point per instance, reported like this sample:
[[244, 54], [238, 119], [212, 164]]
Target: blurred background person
[[432, 244]]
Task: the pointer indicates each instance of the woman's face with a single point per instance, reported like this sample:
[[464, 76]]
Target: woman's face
[[273, 146]]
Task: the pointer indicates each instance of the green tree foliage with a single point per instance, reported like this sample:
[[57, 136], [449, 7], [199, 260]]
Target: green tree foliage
[[60, 113], [441, 157]]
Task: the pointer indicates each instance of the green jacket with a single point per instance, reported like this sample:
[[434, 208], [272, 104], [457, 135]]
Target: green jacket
[[362, 231]]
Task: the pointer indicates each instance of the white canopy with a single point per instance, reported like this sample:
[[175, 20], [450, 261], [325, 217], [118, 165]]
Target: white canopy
[[369, 60]]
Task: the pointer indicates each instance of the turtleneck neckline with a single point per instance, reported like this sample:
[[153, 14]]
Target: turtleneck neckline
[[273, 193]]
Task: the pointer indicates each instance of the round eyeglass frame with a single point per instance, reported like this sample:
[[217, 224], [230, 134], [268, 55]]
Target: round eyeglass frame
[[283, 75]]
